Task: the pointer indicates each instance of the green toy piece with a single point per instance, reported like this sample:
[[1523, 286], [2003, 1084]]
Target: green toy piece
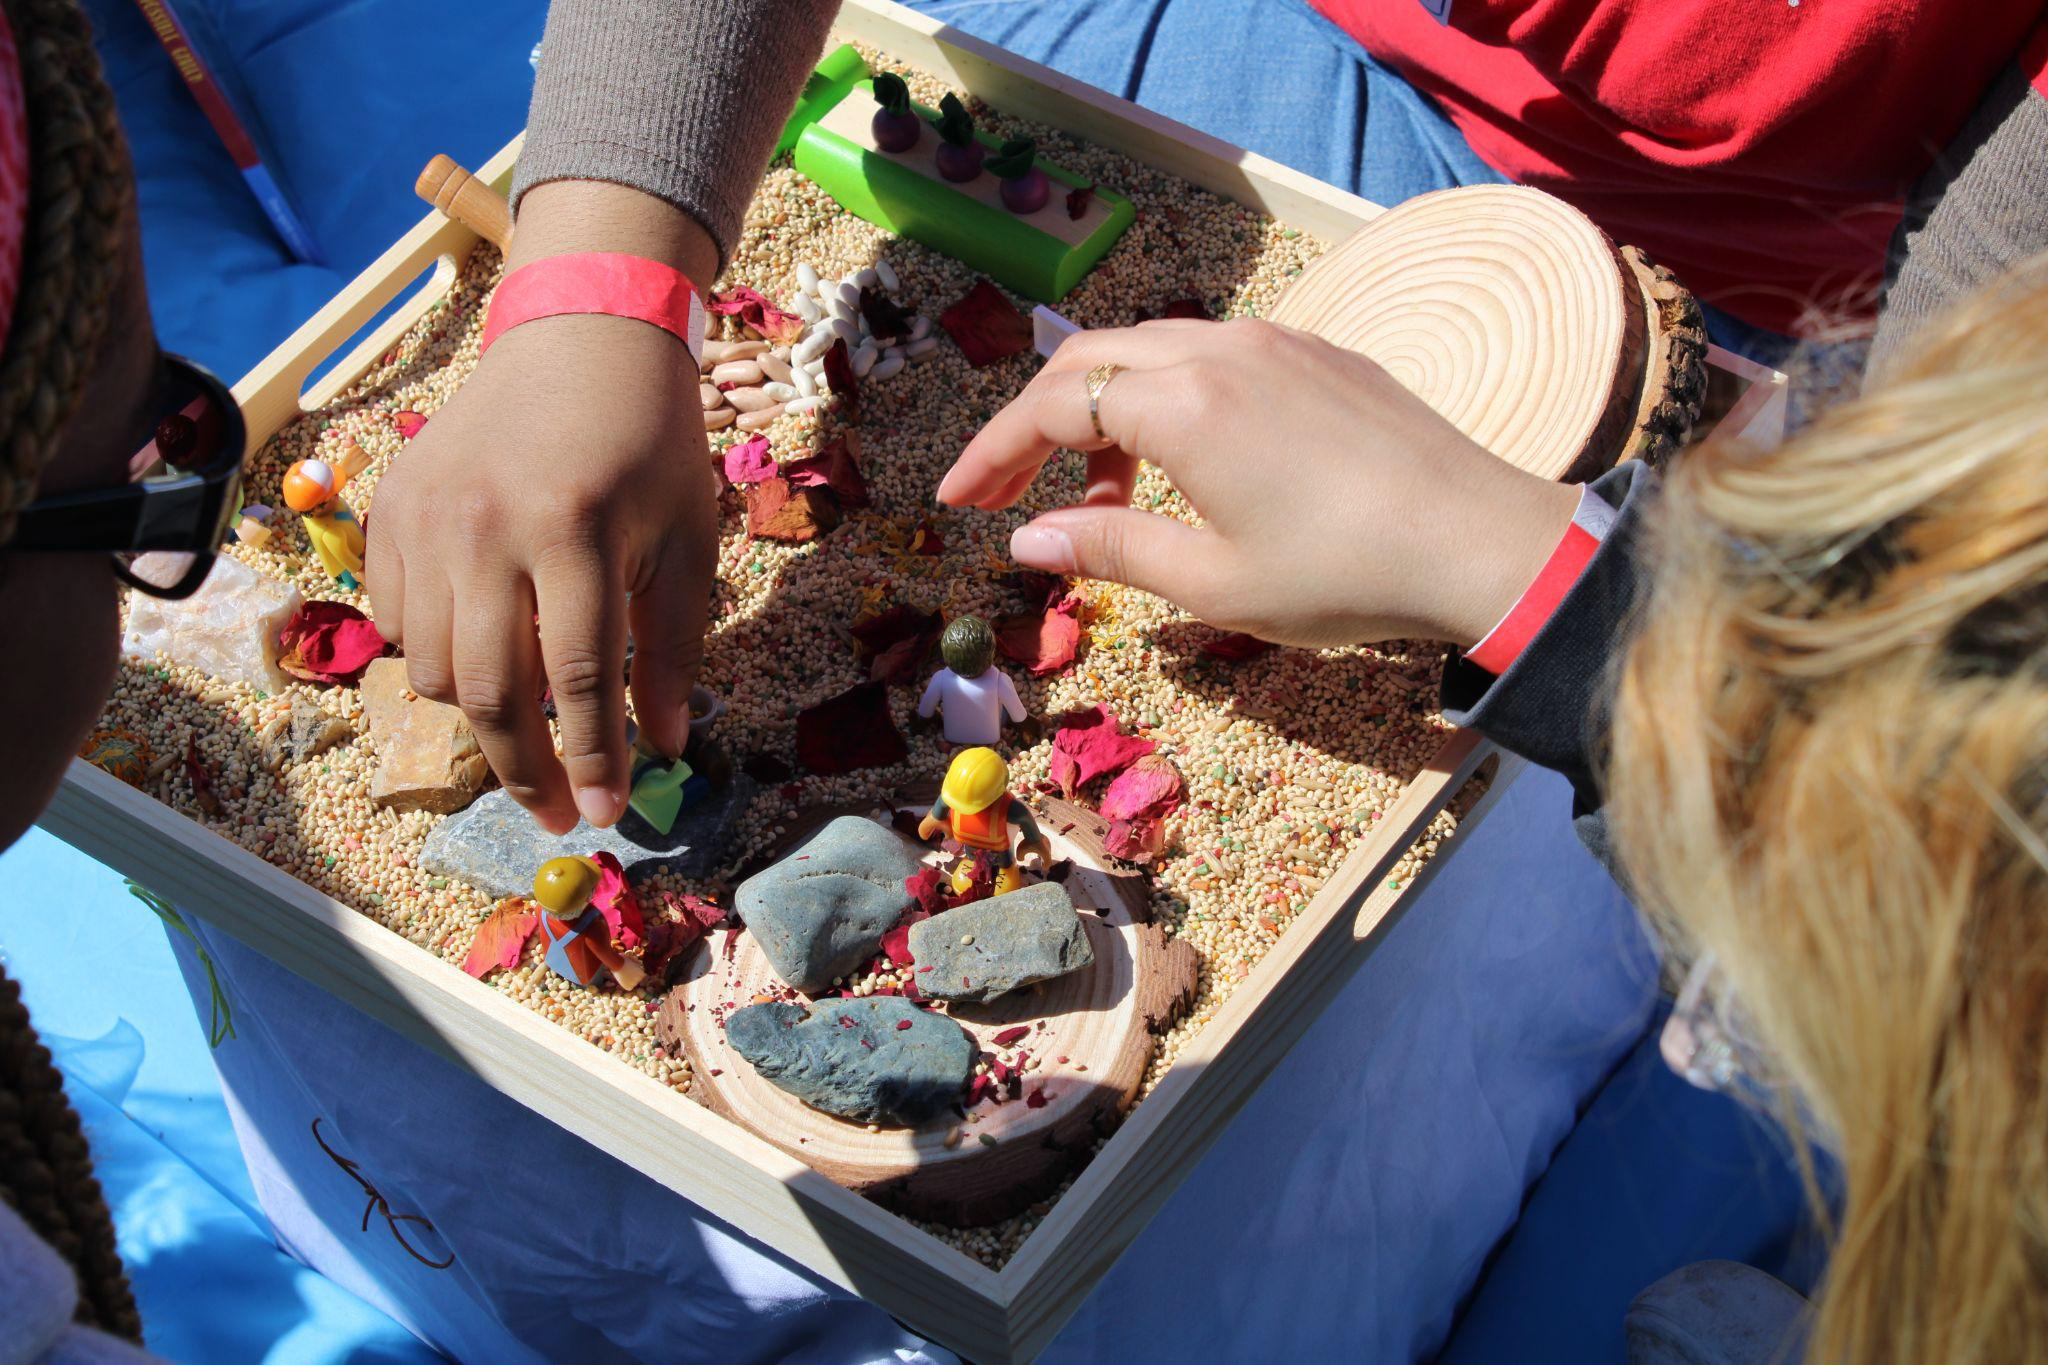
[[1041, 253], [658, 792]]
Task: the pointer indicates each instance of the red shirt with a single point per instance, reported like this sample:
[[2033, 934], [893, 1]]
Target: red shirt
[[1760, 148]]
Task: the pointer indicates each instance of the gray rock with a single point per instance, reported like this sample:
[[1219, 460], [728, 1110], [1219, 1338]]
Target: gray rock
[[979, 951], [876, 1060], [822, 910], [496, 847]]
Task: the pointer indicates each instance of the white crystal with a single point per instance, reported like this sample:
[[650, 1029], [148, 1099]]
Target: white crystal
[[227, 630]]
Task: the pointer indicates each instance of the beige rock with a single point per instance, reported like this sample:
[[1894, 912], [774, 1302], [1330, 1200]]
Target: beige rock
[[749, 399], [427, 756], [736, 372], [228, 629]]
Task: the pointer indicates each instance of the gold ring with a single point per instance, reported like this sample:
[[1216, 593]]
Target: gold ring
[[1098, 380]]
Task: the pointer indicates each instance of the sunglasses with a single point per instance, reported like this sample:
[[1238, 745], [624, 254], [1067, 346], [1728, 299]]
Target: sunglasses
[[163, 527]]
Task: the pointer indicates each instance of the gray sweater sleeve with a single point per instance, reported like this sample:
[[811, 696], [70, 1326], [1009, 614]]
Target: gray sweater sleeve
[[1981, 209], [680, 98]]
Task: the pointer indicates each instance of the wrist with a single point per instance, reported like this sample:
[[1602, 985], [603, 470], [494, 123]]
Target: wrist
[[565, 217], [1511, 539]]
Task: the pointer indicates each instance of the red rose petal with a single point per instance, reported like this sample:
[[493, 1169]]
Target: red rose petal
[[986, 325], [1149, 787], [1237, 647], [1078, 200], [754, 309], [408, 423], [895, 643], [835, 467], [839, 376], [1187, 308], [902, 1024], [749, 461], [1011, 1035], [1036, 1099], [776, 510], [1089, 745], [615, 900], [1044, 641], [848, 732], [329, 642]]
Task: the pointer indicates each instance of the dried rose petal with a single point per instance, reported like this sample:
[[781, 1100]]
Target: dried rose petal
[[1043, 641], [1150, 786], [1187, 308], [1011, 1035], [754, 309], [839, 376], [886, 321], [895, 643], [1078, 200], [615, 900], [1237, 647], [776, 510], [408, 423], [748, 461], [835, 467], [1089, 745], [986, 326], [848, 732], [329, 642]]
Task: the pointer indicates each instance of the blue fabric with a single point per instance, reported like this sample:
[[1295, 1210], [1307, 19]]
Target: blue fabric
[[110, 1003]]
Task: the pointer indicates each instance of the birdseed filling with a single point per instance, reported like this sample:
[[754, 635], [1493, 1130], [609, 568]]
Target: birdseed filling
[[1291, 758]]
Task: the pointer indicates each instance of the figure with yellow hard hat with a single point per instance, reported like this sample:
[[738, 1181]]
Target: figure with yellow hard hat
[[579, 945], [976, 810], [312, 488]]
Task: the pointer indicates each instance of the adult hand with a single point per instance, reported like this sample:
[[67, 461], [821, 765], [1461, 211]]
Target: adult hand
[[568, 480], [1337, 507]]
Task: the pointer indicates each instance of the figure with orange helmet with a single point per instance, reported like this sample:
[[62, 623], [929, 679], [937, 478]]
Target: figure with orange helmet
[[312, 488], [976, 810]]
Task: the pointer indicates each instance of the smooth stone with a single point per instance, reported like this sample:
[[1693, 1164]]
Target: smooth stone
[[721, 352], [807, 277], [754, 421], [709, 396], [736, 372], [427, 756], [875, 1060], [982, 950], [226, 630], [822, 909], [496, 846], [718, 417], [749, 400], [774, 368], [781, 393], [886, 273], [867, 277], [890, 365], [808, 404], [803, 383]]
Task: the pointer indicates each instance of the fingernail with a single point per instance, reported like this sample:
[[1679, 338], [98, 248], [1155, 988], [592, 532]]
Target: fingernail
[[597, 805], [1043, 547]]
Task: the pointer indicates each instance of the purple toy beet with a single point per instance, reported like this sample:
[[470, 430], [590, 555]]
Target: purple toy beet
[[1025, 186], [959, 155], [896, 128]]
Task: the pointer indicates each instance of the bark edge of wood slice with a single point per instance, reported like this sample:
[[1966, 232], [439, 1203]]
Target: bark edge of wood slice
[[1100, 1033], [1509, 312]]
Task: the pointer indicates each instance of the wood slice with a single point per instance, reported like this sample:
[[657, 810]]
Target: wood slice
[[1092, 1034], [1510, 313]]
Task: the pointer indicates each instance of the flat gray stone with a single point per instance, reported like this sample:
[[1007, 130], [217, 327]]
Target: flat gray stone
[[495, 846], [879, 1059], [980, 951], [822, 909]]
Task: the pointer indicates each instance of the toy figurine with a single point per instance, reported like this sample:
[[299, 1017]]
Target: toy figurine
[[970, 691], [959, 155], [579, 945], [975, 809], [895, 127], [312, 488], [663, 788], [1025, 186]]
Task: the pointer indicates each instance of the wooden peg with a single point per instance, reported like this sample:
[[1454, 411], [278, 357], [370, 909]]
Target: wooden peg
[[466, 199]]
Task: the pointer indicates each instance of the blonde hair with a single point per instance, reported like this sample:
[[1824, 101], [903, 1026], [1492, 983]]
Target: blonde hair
[[1830, 770]]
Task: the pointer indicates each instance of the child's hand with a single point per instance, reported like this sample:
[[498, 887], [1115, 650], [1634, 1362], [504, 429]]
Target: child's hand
[[570, 471], [1338, 508]]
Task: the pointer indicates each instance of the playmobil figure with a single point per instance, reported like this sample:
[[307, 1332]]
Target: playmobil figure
[[959, 155], [1025, 186], [970, 691], [312, 488], [976, 810], [579, 944], [895, 127]]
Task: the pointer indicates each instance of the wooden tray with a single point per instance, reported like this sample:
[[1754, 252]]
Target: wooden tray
[[715, 1163]]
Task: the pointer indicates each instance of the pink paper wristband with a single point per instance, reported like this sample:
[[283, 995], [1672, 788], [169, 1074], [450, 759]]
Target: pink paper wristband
[[608, 282]]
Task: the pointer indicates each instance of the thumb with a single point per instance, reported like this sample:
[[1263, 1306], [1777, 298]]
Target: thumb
[[1122, 545]]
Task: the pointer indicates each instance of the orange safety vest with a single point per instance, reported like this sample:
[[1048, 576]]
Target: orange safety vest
[[987, 828]]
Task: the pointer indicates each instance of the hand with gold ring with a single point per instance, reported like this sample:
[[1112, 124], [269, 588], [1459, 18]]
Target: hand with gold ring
[[1336, 507]]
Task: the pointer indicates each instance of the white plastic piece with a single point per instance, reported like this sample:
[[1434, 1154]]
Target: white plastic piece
[[1049, 329]]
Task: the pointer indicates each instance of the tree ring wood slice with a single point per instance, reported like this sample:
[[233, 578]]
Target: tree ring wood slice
[[1101, 1020], [1506, 310]]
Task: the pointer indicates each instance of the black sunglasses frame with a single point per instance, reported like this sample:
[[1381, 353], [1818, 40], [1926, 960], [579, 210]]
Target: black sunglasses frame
[[187, 513]]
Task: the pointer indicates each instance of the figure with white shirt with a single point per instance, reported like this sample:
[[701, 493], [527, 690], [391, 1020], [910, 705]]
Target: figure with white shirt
[[970, 692]]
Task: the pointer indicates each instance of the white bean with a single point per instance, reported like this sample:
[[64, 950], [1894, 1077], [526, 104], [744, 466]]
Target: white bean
[[812, 346], [849, 293], [922, 347], [807, 278], [890, 365], [805, 385], [813, 368], [807, 308], [805, 404], [864, 359], [781, 393], [887, 274], [845, 331], [840, 311], [867, 277]]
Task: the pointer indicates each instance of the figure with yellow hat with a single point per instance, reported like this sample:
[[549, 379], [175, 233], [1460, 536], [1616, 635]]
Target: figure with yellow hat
[[579, 945], [312, 488], [976, 810]]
